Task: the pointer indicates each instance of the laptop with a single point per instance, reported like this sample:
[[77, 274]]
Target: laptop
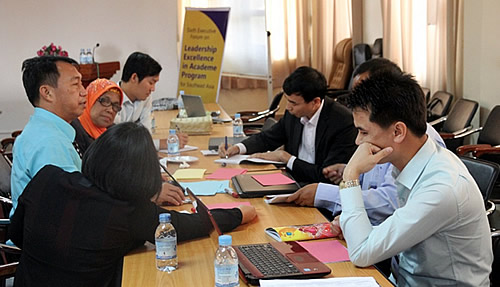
[[194, 106], [275, 260]]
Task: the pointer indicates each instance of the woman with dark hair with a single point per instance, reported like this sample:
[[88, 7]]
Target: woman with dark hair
[[75, 228]]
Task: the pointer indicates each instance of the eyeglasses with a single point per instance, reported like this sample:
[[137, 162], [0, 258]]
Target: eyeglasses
[[106, 102]]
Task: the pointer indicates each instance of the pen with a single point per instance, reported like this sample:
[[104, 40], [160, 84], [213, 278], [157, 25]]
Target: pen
[[231, 192], [225, 145]]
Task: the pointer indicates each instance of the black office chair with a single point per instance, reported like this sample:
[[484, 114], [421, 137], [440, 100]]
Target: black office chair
[[251, 117], [456, 123], [268, 123], [427, 94], [485, 174], [439, 105], [377, 48], [360, 54]]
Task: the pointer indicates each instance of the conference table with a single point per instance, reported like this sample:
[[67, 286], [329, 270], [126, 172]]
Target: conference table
[[196, 257]]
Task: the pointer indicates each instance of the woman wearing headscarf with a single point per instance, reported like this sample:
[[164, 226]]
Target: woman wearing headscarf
[[104, 101]]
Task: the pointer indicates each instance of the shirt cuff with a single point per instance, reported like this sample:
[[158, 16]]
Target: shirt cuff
[[326, 195], [243, 148], [290, 162], [351, 199]]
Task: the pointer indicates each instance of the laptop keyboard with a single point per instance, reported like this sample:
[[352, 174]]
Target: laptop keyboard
[[268, 260]]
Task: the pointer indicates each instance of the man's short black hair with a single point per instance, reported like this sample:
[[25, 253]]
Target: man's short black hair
[[123, 162], [307, 83], [391, 97], [141, 64], [377, 65], [40, 71]]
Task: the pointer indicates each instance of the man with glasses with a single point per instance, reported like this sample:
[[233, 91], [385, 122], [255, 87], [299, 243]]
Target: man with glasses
[[54, 87], [316, 131]]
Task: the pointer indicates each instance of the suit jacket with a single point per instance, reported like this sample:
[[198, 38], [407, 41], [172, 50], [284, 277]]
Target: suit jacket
[[335, 140]]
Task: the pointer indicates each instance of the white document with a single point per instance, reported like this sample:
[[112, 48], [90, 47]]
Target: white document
[[237, 159], [185, 148], [326, 282], [208, 152], [279, 198]]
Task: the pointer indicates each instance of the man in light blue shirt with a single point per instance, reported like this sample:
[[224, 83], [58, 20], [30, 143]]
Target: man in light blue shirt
[[379, 189], [441, 231], [54, 87]]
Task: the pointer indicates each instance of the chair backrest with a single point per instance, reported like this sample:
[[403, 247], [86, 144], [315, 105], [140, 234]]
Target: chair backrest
[[460, 116], [427, 94], [269, 123], [5, 171], [484, 172], [275, 104], [439, 105], [360, 54], [342, 65], [377, 49], [491, 128]]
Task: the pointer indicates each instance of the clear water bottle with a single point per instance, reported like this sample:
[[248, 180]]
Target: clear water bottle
[[180, 105], [89, 56], [173, 143], [83, 56], [238, 126], [226, 264], [166, 244]]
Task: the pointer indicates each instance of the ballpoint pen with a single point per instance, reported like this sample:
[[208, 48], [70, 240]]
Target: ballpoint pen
[[225, 145]]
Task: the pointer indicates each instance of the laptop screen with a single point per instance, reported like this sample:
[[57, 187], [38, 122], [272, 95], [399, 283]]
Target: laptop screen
[[194, 106], [206, 217]]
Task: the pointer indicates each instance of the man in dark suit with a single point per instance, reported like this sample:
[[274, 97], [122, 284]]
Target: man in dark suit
[[316, 131]]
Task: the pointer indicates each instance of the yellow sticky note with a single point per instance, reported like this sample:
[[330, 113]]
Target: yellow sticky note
[[189, 173]]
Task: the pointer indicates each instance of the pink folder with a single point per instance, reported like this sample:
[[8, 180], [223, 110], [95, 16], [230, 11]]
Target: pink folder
[[272, 179]]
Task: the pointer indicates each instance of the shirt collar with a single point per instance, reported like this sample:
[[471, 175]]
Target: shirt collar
[[125, 97], [314, 119], [61, 124], [412, 171]]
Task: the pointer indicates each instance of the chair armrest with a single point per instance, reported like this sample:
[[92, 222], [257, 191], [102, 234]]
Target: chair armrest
[[486, 150], [454, 135], [437, 121], [446, 136], [461, 150], [10, 248], [468, 133]]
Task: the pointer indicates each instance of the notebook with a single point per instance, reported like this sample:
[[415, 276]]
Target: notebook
[[267, 260], [246, 186], [194, 106]]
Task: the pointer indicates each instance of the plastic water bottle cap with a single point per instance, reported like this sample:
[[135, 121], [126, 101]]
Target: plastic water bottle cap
[[164, 217], [172, 131], [236, 116], [225, 240], [181, 92]]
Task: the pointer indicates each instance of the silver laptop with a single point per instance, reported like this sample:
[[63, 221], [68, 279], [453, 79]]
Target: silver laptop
[[193, 105]]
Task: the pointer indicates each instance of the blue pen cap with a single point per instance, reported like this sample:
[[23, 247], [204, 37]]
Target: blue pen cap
[[225, 240], [165, 217]]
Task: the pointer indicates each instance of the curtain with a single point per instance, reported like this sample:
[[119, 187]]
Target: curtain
[[425, 39]]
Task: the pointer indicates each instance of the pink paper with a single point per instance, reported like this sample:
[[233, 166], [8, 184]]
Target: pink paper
[[226, 173], [327, 251], [272, 179], [228, 205]]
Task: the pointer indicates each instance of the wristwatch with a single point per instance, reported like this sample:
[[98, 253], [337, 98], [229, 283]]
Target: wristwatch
[[349, 183]]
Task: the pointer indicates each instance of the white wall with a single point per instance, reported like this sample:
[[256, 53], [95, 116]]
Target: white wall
[[481, 56], [120, 26]]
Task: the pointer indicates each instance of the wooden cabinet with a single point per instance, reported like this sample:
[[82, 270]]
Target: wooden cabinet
[[91, 72]]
